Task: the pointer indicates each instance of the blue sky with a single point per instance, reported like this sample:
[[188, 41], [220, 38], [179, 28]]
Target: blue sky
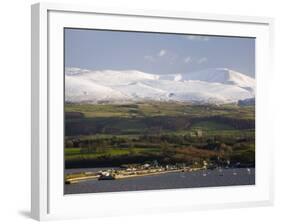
[[157, 53]]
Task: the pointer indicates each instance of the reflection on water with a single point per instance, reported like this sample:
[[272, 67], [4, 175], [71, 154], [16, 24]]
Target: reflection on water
[[205, 178]]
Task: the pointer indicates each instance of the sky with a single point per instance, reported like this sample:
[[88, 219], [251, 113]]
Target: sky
[[157, 53]]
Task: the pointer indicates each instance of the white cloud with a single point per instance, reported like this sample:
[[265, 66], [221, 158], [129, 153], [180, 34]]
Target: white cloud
[[202, 60], [157, 56], [162, 53], [197, 38], [187, 60], [149, 58]]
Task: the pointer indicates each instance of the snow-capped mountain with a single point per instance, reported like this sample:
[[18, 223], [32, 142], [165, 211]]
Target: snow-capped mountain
[[217, 85]]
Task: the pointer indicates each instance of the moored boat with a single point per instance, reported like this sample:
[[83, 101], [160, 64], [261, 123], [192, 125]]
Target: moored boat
[[106, 176]]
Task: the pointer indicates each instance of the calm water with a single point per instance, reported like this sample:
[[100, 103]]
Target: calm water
[[229, 177]]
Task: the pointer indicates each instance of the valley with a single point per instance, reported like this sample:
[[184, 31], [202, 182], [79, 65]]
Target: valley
[[105, 135]]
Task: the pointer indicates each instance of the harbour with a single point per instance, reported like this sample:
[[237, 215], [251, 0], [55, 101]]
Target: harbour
[[168, 180]]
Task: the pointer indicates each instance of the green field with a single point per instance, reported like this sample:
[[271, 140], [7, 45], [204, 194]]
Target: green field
[[151, 109], [169, 132]]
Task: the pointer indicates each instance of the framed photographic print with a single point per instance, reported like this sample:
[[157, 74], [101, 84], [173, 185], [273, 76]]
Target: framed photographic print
[[146, 111]]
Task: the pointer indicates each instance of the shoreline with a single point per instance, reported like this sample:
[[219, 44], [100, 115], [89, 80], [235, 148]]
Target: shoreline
[[122, 174], [171, 180], [125, 174]]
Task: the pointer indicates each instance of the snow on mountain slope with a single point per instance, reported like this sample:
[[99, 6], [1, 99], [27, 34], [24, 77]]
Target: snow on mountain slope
[[78, 89], [75, 71], [200, 91], [208, 86], [173, 77], [142, 91], [112, 78], [224, 76]]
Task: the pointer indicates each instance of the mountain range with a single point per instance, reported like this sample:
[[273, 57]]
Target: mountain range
[[216, 85]]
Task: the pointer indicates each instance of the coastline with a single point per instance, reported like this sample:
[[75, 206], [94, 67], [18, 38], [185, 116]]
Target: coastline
[[172, 180]]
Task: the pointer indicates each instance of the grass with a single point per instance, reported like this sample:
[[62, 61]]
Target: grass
[[79, 155], [210, 126], [75, 153], [151, 109], [208, 132], [166, 131]]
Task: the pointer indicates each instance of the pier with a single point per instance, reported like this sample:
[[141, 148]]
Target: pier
[[115, 174]]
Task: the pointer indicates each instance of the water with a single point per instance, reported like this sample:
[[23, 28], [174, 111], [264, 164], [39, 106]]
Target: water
[[210, 178]]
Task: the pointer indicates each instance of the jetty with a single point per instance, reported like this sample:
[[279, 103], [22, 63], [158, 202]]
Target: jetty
[[130, 171]]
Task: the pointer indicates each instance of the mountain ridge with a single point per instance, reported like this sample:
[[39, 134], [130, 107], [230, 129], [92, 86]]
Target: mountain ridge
[[218, 85]]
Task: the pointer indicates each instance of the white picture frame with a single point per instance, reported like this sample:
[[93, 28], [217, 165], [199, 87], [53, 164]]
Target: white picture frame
[[48, 201]]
